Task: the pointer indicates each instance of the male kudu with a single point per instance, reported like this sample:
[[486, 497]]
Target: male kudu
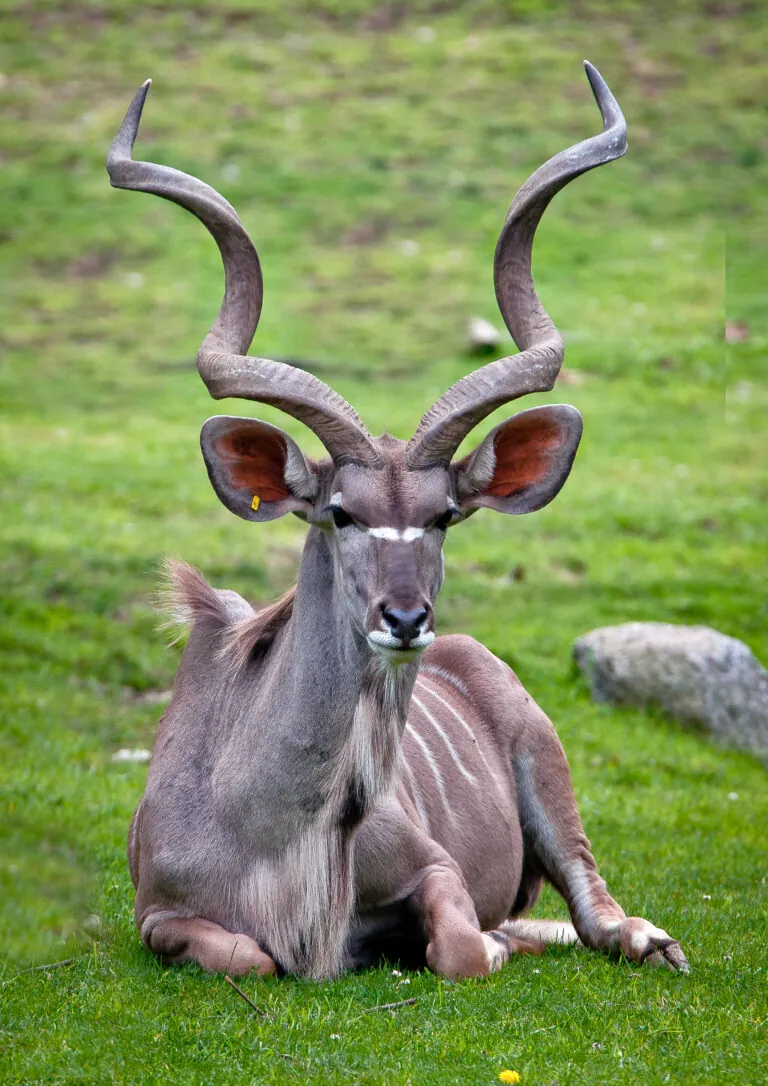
[[329, 782]]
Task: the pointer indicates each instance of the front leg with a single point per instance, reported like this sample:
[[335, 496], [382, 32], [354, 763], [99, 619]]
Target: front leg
[[396, 863], [555, 842], [457, 947], [178, 939]]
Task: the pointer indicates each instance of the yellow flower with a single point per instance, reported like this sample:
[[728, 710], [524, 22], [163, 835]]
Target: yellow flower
[[509, 1076]]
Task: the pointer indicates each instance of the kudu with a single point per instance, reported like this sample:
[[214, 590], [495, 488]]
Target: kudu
[[330, 783]]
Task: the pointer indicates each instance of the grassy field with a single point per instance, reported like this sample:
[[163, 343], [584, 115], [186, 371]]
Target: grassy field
[[373, 151]]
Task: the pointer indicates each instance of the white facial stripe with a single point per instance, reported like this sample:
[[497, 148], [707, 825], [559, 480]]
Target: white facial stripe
[[394, 535]]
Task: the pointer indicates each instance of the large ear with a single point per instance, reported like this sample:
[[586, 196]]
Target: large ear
[[258, 472], [522, 464]]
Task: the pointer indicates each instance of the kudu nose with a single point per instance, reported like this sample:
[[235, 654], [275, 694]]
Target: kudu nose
[[404, 625]]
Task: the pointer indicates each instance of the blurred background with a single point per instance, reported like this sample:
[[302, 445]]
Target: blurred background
[[372, 151]]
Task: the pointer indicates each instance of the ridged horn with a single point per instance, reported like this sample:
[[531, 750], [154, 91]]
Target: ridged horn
[[535, 369], [221, 361]]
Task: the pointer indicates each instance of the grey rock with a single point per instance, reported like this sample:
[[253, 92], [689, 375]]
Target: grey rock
[[694, 673]]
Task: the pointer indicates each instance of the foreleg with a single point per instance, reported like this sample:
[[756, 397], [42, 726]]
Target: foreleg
[[555, 840], [396, 862], [176, 939], [457, 947]]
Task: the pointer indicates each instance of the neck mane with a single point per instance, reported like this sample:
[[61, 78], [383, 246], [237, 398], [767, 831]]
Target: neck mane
[[332, 714]]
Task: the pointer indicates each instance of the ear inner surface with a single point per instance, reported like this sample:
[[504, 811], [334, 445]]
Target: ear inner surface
[[522, 464], [256, 469], [523, 454], [257, 466]]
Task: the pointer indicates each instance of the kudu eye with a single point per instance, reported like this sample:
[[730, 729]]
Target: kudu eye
[[340, 518]]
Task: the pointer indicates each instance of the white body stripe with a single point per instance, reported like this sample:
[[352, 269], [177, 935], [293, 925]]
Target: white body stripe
[[454, 680], [416, 796], [432, 765], [433, 693], [446, 739]]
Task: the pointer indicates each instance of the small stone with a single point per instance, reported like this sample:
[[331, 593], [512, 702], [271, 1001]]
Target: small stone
[[152, 697], [126, 754], [570, 377], [482, 336]]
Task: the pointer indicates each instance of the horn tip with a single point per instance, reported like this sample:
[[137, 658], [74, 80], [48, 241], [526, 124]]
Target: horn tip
[[609, 108], [596, 81], [122, 145]]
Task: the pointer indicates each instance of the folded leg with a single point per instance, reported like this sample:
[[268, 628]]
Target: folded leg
[[397, 865], [177, 939], [554, 839]]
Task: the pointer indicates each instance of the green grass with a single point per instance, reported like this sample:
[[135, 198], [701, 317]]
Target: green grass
[[344, 133]]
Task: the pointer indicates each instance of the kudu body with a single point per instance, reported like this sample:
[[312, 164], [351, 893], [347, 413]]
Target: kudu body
[[330, 783]]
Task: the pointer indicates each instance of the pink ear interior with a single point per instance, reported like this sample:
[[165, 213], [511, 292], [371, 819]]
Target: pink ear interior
[[524, 453], [253, 459]]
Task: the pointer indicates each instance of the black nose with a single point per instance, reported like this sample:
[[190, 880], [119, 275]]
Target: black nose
[[404, 625]]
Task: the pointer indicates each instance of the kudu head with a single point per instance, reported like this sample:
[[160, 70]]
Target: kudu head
[[384, 504]]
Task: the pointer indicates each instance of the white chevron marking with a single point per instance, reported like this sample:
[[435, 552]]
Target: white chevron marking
[[416, 797], [446, 739], [475, 745], [432, 765]]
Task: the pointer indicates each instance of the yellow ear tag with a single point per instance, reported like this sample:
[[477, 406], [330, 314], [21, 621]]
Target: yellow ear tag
[[256, 502]]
